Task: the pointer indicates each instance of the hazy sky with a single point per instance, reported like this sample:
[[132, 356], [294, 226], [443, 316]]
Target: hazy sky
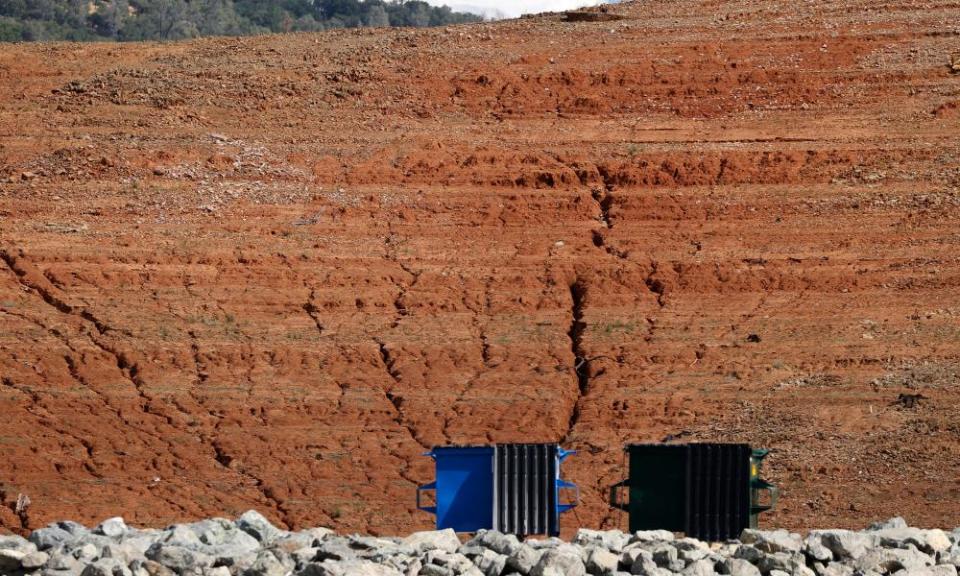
[[512, 8]]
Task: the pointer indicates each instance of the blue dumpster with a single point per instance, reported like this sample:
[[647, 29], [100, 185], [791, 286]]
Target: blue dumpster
[[513, 488]]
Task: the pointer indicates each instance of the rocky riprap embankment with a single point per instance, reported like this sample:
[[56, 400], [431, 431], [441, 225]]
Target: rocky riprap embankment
[[251, 546]]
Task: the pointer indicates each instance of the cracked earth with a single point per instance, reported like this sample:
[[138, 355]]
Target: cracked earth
[[272, 272]]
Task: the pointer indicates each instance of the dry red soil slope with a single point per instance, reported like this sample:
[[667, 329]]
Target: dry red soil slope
[[272, 272]]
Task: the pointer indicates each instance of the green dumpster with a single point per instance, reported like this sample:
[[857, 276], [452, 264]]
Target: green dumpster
[[706, 490]]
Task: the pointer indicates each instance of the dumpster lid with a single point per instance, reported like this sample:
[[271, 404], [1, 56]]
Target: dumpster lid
[[680, 444]]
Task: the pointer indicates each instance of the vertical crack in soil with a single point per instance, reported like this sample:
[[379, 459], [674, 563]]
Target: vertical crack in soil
[[656, 286], [220, 455], [198, 364], [389, 366], [604, 201], [313, 312], [581, 365]]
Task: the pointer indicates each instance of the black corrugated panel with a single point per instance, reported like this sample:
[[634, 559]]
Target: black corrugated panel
[[525, 488], [718, 491]]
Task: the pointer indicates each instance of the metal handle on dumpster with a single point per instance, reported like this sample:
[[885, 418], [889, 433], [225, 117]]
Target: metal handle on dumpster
[[424, 488], [774, 492], [615, 496], [576, 498]]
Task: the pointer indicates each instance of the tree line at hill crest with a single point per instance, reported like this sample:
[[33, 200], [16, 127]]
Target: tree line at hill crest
[[126, 20]]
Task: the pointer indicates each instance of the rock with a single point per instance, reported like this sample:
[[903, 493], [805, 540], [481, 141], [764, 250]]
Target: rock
[[490, 563], [602, 562], [267, 564], [335, 549], [895, 522], [156, 569], [217, 537], [181, 536], [471, 550], [472, 571], [62, 561], [304, 556], [749, 553], [112, 527], [887, 561], [690, 544], [559, 562], [740, 567], [651, 536], [631, 555], [74, 528], [844, 544], [500, 543], [34, 560], [10, 560], [814, 548], [178, 558], [657, 571], [455, 561], [940, 570], [523, 559], [295, 540], [397, 554], [359, 542], [106, 567], [216, 571], [51, 536], [123, 552], [58, 535], [664, 555], [256, 525], [952, 558], [48, 571], [644, 565], [433, 540], [772, 541], [137, 569], [700, 568], [137, 544], [926, 540], [784, 561], [413, 568], [551, 542], [18, 543], [212, 530], [86, 553], [833, 569], [436, 570], [690, 555], [317, 534], [612, 540]]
